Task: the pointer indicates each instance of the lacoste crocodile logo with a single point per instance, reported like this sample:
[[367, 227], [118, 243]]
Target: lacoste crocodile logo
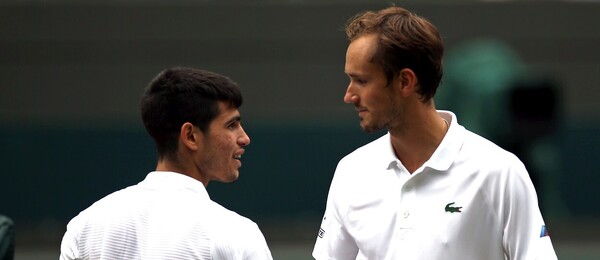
[[452, 209]]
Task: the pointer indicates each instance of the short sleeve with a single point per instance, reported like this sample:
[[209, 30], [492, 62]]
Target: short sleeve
[[333, 240], [241, 241], [68, 246], [525, 233]]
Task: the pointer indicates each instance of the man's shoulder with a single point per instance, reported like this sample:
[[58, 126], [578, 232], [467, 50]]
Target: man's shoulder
[[371, 148], [234, 232], [236, 236], [110, 202], [229, 217], [373, 156], [476, 145], [492, 159]]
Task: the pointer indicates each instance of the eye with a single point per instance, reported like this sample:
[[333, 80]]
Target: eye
[[233, 125], [358, 81]]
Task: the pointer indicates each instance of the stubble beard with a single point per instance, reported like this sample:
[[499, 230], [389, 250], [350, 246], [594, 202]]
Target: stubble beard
[[370, 127]]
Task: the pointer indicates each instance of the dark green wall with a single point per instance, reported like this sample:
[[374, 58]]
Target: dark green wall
[[51, 174]]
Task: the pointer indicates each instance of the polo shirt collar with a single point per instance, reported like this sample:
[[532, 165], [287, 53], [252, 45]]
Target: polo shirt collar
[[448, 150], [165, 180], [444, 155], [389, 157]]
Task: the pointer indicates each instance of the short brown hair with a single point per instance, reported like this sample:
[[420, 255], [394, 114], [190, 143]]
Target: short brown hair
[[405, 40]]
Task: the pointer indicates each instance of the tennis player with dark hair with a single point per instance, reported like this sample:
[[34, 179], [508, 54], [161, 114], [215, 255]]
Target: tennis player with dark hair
[[193, 117], [429, 188]]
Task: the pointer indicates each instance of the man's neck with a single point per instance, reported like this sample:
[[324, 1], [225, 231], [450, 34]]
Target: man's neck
[[172, 166], [414, 144]]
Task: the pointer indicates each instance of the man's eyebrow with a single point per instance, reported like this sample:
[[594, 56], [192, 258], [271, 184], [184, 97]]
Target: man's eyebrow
[[234, 119], [353, 75]]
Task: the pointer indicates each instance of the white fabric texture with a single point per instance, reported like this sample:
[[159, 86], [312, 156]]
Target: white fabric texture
[[470, 200], [166, 216]]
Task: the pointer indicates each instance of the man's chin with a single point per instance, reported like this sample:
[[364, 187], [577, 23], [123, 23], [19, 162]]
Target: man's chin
[[234, 178], [230, 178], [369, 128]]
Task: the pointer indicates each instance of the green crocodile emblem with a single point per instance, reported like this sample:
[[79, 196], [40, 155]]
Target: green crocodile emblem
[[452, 209]]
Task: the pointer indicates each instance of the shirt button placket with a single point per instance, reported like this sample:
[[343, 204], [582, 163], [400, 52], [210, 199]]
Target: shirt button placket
[[405, 214], [406, 194], [405, 222]]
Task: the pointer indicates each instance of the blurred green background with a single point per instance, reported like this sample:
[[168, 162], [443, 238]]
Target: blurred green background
[[524, 74]]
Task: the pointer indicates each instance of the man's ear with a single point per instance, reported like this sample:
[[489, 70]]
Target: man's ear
[[189, 137], [407, 79]]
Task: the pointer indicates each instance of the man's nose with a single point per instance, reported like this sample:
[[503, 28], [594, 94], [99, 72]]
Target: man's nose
[[244, 139], [350, 97]]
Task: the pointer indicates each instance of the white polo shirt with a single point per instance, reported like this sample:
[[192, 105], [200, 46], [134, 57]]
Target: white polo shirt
[[470, 200], [166, 216]]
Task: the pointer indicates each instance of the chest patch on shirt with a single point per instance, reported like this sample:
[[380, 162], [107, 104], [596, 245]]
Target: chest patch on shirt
[[452, 209]]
